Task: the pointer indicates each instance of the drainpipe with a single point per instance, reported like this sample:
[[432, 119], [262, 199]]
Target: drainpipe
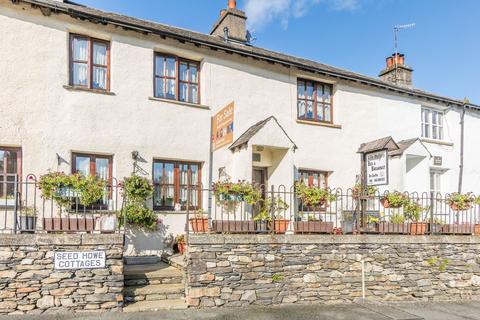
[[462, 139]]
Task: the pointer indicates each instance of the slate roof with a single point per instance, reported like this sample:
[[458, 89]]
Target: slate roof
[[253, 130], [218, 43], [379, 144]]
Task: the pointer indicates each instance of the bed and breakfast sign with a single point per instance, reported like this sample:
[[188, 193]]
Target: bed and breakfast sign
[[222, 127], [377, 168]]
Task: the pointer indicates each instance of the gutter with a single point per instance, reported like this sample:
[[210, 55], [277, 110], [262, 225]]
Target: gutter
[[77, 14]]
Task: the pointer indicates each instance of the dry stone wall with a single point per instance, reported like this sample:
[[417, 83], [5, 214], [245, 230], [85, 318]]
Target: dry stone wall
[[239, 270], [29, 284]]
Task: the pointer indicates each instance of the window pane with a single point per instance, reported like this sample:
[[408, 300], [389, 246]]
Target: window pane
[[310, 109], [183, 71], [101, 168], [426, 118], [434, 117], [319, 112], [183, 91], [427, 131], [80, 49], [301, 89], [171, 72], [11, 161], [168, 177], [194, 174], [100, 53], [171, 89], [99, 79], [440, 133], [79, 74], [440, 119], [310, 91], [82, 165], [10, 186], [328, 115], [2, 157], [301, 108], [160, 87], [194, 93], [434, 132], [193, 73], [326, 93]]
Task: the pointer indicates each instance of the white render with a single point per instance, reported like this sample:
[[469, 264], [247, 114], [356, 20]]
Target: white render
[[43, 118]]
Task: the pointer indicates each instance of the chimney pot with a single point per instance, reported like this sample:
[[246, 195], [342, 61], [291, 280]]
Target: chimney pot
[[396, 71], [232, 4]]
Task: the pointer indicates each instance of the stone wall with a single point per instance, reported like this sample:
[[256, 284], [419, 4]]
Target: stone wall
[[29, 284], [238, 270]]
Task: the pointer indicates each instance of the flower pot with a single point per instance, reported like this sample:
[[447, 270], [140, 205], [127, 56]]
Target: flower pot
[[313, 227], [281, 225], [386, 204], [476, 229], [86, 224], [68, 224], [464, 228], [27, 223], [181, 247], [263, 226], [393, 228], [418, 228], [233, 226], [371, 228], [454, 206], [199, 225]]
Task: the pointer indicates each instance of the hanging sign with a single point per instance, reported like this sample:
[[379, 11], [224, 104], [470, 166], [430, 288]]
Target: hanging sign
[[222, 127], [64, 260], [377, 168]]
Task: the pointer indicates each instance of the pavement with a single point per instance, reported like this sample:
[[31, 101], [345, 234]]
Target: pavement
[[369, 311]]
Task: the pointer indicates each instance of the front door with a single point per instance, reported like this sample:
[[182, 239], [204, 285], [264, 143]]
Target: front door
[[259, 177]]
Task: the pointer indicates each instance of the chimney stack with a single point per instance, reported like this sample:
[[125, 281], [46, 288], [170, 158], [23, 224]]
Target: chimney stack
[[232, 24], [397, 72]]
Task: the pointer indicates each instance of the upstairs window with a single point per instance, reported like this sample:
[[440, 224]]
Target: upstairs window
[[432, 124], [176, 79], [314, 101], [89, 63]]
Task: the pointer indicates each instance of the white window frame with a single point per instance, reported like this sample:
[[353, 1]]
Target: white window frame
[[432, 123]]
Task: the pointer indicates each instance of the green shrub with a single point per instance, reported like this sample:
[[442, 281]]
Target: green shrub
[[313, 196], [137, 190]]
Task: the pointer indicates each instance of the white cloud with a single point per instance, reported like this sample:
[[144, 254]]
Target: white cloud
[[262, 12]]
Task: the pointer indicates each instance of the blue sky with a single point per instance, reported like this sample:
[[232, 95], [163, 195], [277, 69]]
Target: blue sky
[[352, 34]]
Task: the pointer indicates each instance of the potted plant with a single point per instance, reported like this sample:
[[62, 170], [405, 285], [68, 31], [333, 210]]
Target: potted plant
[[277, 207], [229, 195], [395, 225], [372, 224], [27, 219], [180, 242], [357, 191], [413, 212], [313, 225], [263, 221], [199, 222], [313, 197], [436, 226], [394, 199], [460, 202]]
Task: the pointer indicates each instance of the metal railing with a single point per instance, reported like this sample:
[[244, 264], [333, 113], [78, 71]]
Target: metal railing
[[348, 213], [24, 210]]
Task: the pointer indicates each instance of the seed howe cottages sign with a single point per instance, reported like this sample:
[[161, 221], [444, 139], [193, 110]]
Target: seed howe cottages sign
[[222, 127], [64, 260], [377, 168]]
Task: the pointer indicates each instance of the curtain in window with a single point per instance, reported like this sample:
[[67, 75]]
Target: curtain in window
[[82, 165], [80, 61], [99, 66]]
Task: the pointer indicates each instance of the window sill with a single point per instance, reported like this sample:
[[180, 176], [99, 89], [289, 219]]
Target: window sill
[[322, 124], [76, 88], [160, 211], [182, 103], [440, 142]]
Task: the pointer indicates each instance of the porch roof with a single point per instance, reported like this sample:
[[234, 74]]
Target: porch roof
[[404, 145]]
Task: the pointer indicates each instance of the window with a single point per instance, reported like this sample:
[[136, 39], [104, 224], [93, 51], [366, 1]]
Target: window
[[172, 180], [314, 178], [432, 124], [314, 101], [10, 170], [99, 165], [89, 63], [176, 79]]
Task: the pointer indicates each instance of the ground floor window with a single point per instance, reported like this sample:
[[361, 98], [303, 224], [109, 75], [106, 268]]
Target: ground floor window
[[10, 171], [172, 180], [95, 164], [313, 178]]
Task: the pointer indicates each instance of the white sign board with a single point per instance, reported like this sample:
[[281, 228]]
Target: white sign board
[[79, 260], [377, 168]]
